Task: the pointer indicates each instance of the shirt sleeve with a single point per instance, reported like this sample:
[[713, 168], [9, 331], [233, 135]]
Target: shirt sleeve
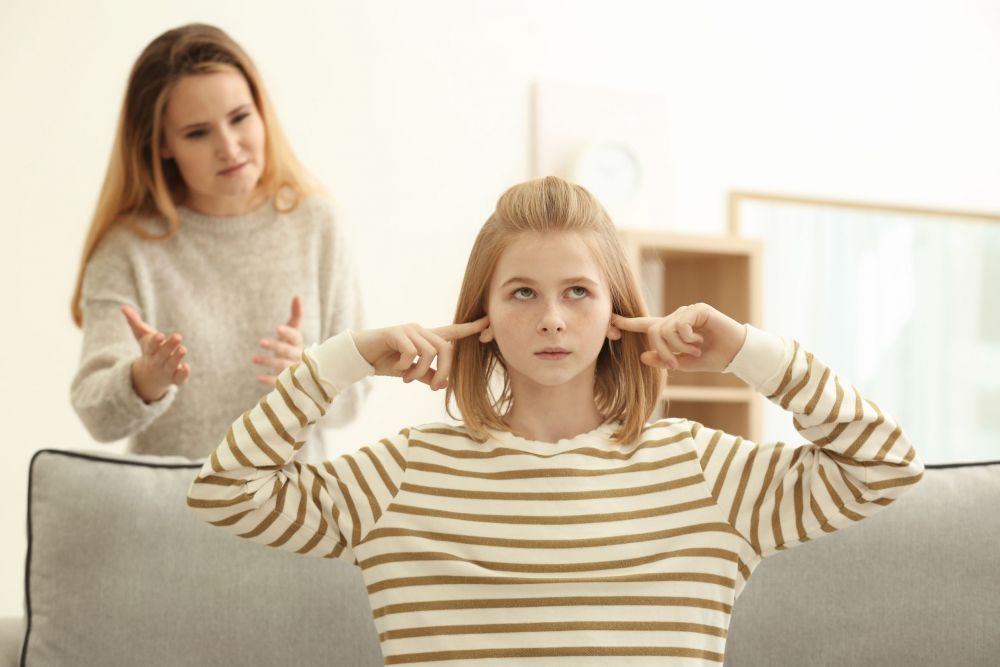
[[252, 486], [777, 496], [101, 392]]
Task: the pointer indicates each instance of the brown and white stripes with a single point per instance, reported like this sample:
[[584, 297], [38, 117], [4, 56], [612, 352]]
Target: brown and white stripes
[[552, 553]]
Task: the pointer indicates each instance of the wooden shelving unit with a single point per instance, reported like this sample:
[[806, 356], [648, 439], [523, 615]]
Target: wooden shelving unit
[[675, 270]]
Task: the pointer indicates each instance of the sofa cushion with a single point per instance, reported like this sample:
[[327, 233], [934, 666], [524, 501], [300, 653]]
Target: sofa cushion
[[120, 572], [915, 584]]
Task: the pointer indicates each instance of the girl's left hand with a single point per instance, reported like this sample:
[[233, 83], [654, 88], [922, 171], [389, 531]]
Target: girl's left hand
[[286, 350], [692, 338]]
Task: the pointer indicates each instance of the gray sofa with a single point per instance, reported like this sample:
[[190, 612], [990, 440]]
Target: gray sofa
[[119, 572]]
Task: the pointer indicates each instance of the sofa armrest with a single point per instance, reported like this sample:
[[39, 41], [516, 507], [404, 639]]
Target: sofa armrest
[[11, 636]]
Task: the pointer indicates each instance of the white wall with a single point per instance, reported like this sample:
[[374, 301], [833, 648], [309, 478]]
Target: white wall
[[415, 114]]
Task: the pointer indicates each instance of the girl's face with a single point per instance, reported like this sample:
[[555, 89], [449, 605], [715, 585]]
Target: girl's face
[[550, 310], [215, 134]]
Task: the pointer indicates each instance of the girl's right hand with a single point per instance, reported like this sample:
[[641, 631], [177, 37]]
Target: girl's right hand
[[162, 361], [407, 350]]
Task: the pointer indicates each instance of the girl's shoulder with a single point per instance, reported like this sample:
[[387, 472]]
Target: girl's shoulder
[[436, 430]]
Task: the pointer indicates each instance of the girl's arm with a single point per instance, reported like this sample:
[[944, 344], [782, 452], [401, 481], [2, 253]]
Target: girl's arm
[[776, 495], [252, 486]]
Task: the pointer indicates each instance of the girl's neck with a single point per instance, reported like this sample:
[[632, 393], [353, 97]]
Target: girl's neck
[[550, 414]]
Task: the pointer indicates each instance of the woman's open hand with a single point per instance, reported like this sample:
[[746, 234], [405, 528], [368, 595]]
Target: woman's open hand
[[692, 338], [286, 350], [162, 361], [408, 350]]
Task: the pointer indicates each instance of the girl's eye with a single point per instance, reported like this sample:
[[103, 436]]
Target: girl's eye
[[240, 117], [195, 134], [578, 292], [523, 293]]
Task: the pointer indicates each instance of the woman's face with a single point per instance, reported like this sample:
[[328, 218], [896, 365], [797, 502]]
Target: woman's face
[[550, 310], [214, 132]]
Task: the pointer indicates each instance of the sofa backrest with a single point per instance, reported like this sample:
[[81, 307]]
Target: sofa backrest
[[120, 572], [916, 584]]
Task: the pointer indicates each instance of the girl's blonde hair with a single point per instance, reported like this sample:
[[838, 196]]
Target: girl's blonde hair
[[139, 183], [625, 389]]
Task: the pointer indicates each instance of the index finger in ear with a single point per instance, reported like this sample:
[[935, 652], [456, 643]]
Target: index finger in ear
[[456, 331], [634, 324]]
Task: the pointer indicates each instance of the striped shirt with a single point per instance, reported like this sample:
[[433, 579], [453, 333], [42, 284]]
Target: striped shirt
[[583, 551]]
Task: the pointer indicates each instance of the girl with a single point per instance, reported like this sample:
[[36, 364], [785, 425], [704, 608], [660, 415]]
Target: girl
[[208, 235], [554, 524]]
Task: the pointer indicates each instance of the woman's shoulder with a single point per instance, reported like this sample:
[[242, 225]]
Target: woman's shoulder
[[315, 207], [126, 239]]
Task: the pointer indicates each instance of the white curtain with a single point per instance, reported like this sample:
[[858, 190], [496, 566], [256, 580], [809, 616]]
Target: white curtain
[[903, 306]]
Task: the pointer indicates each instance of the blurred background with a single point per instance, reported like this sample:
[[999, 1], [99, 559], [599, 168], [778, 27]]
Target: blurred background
[[416, 115]]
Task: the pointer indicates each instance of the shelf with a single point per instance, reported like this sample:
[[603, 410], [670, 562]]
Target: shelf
[[678, 392], [675, 270]]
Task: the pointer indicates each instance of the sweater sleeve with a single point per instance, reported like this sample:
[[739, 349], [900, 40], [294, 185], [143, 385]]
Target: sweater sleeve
[[777, 496], [343, 309], [102, 392], [252, 486]]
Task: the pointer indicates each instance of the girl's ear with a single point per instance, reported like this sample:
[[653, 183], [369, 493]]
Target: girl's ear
[[165, 153], [486, 335], [614, 333]]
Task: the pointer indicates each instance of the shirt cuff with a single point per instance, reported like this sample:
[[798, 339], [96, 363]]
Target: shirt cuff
[[761, 358], [339, 362]]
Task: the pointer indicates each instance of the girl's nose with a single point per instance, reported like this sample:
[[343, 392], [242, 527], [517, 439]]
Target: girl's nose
[[551, 322]]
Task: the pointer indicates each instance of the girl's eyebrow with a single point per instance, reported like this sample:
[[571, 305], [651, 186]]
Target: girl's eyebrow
[[529, 281], [192, 126]]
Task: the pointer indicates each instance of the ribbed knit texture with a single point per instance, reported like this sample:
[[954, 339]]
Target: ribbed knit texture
[[223, 283], [583, 551]]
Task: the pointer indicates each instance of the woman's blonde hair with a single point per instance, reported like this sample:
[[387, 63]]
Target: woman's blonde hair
[[139, 183], [625, 389]]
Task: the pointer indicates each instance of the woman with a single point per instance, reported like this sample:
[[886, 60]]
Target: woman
[[211, 260]]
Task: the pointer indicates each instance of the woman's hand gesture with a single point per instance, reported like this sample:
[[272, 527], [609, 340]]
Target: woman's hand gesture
[[286, 350], [162, 361], [692, 338], [408, 350]]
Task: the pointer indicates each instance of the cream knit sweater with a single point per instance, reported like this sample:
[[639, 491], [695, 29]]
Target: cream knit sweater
[[223, 284]]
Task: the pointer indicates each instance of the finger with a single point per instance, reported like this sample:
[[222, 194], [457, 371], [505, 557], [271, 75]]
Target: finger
[[687, 333], [428, 379], [269, 380], [462, 330], [135, 323], [440, 379], [296, 316], [166, 348], [173, 362], [290, 335], [399, 342], [443, 350], [634, 324], [276, 363], [678, 345], [283, 350], [427, 355], [655, 337], [182, 374], [151, 344], [652, 358]]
